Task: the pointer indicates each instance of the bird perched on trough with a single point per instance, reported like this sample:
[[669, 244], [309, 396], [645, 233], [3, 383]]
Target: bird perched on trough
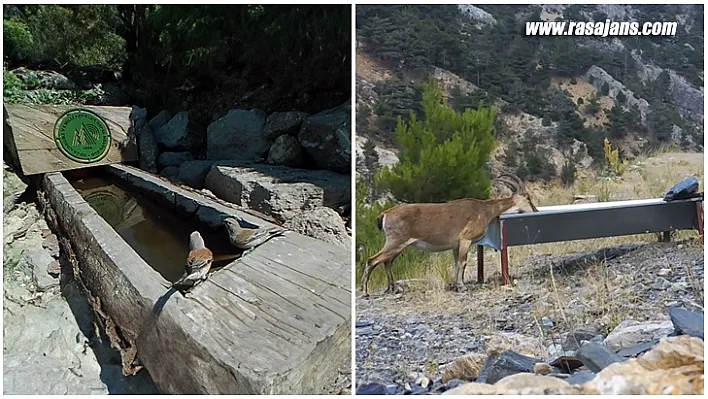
[[198, 264], [248, 238]]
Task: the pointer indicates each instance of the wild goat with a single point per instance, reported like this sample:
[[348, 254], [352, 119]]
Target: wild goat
[[437, 227]]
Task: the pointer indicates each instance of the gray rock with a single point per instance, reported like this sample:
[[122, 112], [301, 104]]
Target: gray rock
[[506, 364], [44, 79], [147, 149], [326, 137], [280, 123], [38, 262], [138, 116], [51, 244], [688, 99], [580, 377], [287, 151], [193, 173], [171, 173], [574, 339], [687, 322], [321, 223], [630, 333], [173, 159], [279, 191], [600, 77], [159, 120], [597, 357], [637, 350], [477, 14], [174, 135], [238, 135]]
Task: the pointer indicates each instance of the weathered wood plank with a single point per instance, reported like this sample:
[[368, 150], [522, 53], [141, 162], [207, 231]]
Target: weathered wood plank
[[276, 321], [29, 137]]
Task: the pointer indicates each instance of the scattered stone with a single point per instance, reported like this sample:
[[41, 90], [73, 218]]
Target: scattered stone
[[546, 321], [525, 380], [525, 345], [542, 368], [326, 137], [673, 367], [566, 363], [287, 151], [506, 364], [193, 173], [465, 368], [687, 322], [238, 135], [638, 349], [472, 388], [372, 388], [173, 159], [573, 340], [280, 123], [580, 377], [321, 223], [630, 333], [174, 135], [597, 357]]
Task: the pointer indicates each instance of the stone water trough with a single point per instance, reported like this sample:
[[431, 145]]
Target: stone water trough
[[274, 321]]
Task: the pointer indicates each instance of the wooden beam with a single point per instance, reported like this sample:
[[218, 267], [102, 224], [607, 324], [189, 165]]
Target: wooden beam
[[504, 256], [39, 144]]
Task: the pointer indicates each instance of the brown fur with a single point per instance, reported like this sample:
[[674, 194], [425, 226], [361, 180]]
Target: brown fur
[[454, 225]]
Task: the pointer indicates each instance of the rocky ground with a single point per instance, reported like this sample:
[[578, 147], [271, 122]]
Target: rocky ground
[[50, 342], [408, 342]]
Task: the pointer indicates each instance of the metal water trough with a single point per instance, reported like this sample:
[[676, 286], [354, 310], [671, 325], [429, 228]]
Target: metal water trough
[[585, 221], [276, 321]]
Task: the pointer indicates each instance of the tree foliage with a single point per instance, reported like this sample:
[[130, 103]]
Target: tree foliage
[[443, 156]]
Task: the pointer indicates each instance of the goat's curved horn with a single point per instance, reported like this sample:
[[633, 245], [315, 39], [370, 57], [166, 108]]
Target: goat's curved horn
[[516, 184]]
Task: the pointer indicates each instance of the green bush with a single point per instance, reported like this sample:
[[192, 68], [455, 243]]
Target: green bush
[[442, 157], [17, 40], [567, 174]]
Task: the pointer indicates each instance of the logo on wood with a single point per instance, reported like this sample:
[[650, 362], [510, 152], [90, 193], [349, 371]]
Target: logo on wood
[[82, 136]]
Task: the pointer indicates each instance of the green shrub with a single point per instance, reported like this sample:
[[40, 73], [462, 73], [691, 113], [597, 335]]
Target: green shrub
[[442, 157]]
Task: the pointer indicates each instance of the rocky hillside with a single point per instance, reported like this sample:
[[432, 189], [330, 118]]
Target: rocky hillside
[[557, 97]]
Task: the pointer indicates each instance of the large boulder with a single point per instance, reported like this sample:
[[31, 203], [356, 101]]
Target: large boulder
[[323, 224], [173, 159], [280, 123], [148, 150], [238, 135], [287, 151], [174, 135], [630, 333], [279, 191], [326, 137], [159, 120], [193, 173]]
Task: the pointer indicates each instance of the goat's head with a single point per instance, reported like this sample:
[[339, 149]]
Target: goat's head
[[522, 199]]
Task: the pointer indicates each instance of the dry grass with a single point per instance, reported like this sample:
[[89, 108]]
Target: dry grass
[[606, 298]]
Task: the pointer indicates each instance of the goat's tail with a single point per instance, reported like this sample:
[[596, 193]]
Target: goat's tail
[[379, 221]]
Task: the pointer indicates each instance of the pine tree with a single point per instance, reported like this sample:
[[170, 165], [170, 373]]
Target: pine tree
[[442, 157]]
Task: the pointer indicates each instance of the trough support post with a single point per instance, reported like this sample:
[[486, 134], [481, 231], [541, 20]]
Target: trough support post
[[480, 264], [699, 214], [504, 256], [665, 236]]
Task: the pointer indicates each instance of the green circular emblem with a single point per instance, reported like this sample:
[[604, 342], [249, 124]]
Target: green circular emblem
[[82, 136]]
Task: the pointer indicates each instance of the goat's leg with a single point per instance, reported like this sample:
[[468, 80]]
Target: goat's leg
[[391, 288], [461, 262], [387, 254]]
